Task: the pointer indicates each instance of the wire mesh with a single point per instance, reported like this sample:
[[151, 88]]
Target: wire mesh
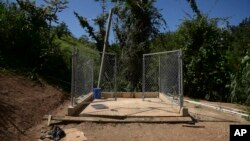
[[129, 76], [162, 72], [82, 76], [85, 71], [109, 71]]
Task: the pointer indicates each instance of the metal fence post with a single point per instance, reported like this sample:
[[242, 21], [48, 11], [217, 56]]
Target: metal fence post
[[181, 79], [159, 75], [115, 78], [92, 81], [143, 77], [72, 76]]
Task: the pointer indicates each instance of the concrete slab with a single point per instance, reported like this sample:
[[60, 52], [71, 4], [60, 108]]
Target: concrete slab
[[132, 107]]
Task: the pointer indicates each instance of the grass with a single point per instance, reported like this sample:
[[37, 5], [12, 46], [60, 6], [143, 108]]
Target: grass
[[197, 100], [197, 106], [67, 44], [247, 117]]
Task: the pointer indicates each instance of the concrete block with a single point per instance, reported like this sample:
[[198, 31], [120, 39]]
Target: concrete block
[[74, 110], [184, 111]]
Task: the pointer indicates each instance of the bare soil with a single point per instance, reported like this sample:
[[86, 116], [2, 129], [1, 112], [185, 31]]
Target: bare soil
[[23, 103]]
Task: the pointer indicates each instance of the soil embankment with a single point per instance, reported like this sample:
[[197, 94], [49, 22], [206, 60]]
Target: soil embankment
[[23, 103]]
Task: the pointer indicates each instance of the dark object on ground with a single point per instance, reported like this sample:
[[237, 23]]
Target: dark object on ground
[[56, 133], [100, 106]]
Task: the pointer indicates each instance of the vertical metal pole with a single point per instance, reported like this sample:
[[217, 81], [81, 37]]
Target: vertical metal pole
[[115, 78], [75, 73], [159, 75], [181, 79], [143, 77], [72, 76], [104, 47], [92, 81]]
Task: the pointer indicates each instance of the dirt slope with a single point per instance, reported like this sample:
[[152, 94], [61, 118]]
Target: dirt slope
[[23, 103]]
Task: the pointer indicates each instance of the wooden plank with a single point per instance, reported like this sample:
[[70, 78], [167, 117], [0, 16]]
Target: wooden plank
[[126, 120], [194, 126], [125, 116], [49, 119]]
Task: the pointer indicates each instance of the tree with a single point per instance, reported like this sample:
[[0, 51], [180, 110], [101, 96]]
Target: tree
[[28, 40], [238, 56], [194, 7], [165, 41], [205, 71], [97, 36], [61, 29], [136, 22], [100, 21]]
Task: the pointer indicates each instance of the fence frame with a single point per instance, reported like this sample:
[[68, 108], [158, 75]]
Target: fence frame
[[180, 73]]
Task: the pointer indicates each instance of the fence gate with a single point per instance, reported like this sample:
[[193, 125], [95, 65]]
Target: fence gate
[[162, 72]]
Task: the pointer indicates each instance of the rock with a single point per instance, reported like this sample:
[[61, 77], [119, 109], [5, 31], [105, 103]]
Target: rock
[[74, 134]]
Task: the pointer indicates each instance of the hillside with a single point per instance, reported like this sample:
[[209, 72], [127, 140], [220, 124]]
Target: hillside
[[23, 103]]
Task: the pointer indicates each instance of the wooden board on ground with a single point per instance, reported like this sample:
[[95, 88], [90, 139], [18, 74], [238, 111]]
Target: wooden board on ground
[[125, 120]]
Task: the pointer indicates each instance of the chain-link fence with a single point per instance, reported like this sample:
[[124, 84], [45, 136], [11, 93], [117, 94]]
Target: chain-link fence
[[85, 71], [109, 71], [129, 76], [82, 75], [162, 72]]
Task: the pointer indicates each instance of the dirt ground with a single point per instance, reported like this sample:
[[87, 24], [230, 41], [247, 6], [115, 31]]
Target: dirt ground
[[23, 103]]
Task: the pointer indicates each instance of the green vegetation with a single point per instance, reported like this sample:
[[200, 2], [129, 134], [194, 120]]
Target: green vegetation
[[216, 59], [197, 106], [31, 45]]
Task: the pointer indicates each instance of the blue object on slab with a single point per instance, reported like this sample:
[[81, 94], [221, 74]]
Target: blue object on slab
[[97, 93]]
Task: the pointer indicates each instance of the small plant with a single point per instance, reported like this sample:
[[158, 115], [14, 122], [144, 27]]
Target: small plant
[[196, 100], [197, 106], [247, 117]]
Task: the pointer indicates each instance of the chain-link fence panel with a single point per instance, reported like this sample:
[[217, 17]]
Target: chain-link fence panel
[[162, 72], [109, 71], [82, 76], [129, 76], [85, 72], [170, 75], [151, 73]]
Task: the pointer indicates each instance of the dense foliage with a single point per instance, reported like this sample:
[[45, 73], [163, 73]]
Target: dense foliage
[[216, 60], [239, 61], [136, 22], [27, 40], [204, 45]]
